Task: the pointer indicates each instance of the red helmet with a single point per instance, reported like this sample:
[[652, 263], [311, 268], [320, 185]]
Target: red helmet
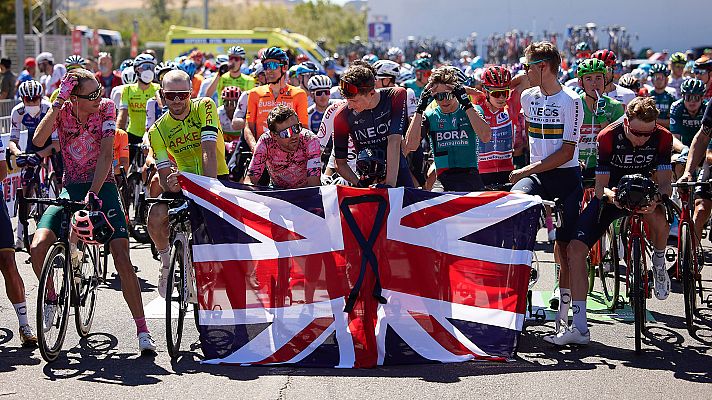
[[496, 77], [607, 56], [230, 93], [92, 227], [301, 58]]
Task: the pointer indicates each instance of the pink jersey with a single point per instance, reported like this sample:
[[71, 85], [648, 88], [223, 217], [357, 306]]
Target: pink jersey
[[81, 143], [288, 170]]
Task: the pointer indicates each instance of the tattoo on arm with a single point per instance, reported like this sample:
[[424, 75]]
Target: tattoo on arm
[[706, 130]]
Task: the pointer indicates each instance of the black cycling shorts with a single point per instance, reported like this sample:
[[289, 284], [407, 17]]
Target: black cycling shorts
[[590, 228], [7, 239]]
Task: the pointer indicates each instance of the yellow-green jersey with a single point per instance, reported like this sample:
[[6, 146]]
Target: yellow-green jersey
[[181, 140], [134, 100], [244, 82]]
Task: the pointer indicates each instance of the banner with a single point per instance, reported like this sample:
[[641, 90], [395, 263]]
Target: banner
[[334, 276]]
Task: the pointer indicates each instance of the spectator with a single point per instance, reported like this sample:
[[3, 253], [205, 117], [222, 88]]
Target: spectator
[[7, 80], [106, 74]]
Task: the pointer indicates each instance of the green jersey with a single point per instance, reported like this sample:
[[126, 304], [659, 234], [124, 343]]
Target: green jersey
[[609, 110], [134, 100], [244, 82], [452, 138], [410, 83]]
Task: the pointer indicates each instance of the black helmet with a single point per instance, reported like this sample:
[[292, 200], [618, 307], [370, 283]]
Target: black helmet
[[371, 164], [636, 191], [275, 53]]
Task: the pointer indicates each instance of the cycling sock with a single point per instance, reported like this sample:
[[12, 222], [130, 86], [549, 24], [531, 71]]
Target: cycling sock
[[564, 304], [21, 310], [165, 255], [659, 259], [579, 307], [549, 223], [141, 326]]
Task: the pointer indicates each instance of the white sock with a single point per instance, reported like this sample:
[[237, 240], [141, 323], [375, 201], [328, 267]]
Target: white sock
[[659, 259], [579, 307], [21, 310], [165, 256], [20, 230], [564, 304]]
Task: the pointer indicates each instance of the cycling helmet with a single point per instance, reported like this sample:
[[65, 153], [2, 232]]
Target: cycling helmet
[[371, 164], [640, 75], [92, 227], [230, 93], [307, 67], [591, 66], [128, 76], [189, 67], [636, 191], [423, 54], [370, 58], [292, 71], [45, 56], [582, 46], [629, 81], [30, 88], [317, 82], [659, 69], [129, 62], [257, 68], [607, 56], [405, 75], [692, 86], [221, 59], [703, 62], [329, 63], [162, 68], [496, 77], [275, 53], [387, 69], [301, 58], [422, 64], [236, 51], [394, 52], [75, 61], [678, 58], [144, 59]]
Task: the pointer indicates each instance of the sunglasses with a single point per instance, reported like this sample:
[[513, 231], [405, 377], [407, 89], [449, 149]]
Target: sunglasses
[[235, 58], [271, 65], [144, 67], [641, 133], [290, 132], [28, 99], [349, 90], [443, 96], [322, 92], [230, 103], [528, 65], [698, 71], [178, 95], [693, 98], [93, 95], [499, 93]]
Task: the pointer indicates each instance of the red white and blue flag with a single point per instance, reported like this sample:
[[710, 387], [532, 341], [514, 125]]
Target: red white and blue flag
[[352, 278]]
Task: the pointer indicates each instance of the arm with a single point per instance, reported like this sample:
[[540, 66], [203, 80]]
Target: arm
[[483, 130], [209, 136], [46, 127], [697, 150], [345, 171], [257, 164], [103, 164], [301, 104], [313, 162], [249, 133], [122, 120], [414, 134], [393, 159], [238, 118]]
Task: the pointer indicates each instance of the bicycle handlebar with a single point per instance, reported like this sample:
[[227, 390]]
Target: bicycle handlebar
[[690, 184]]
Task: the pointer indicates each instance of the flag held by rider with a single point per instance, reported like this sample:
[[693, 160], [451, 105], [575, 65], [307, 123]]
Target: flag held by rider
[[334, 276]]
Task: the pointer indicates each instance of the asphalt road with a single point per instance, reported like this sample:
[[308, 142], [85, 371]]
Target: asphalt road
[[106, 364]]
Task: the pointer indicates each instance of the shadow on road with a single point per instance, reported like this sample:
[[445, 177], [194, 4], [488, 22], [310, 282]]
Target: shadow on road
[[12, 354]]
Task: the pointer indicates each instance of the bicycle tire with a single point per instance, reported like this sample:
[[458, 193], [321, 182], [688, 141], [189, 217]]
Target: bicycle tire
[[50, 344], [609, 268], [688, 279], [175, 316], [85, 287], [136, 209], [638, 294]]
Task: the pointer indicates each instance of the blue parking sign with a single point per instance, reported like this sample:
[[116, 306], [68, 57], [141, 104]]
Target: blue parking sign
[[379, 31]]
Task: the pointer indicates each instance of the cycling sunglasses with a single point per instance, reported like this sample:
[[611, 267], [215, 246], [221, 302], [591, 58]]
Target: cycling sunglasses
[[443, 96], [699, 71], [528, 65], [693, 98], [498, 93], [290, 132], [322, 92], [93, 95], [28, 99], [235, 58], [349, 90], [178, 95], [641, 133], [271, 65]]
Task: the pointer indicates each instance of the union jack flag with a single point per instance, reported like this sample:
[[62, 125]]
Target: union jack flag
[[353, 278]]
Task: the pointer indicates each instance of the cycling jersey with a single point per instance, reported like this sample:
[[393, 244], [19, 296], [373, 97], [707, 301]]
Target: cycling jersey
[[115, 95], [244, 82], [241, 110], [452, 139], [229, 134], [21, 118], [663, 101], [412, 85], [121, 146], [195, 83], [315, 116], [496, 155], [182, 139], [684, 124], [81, 142], [411, 102], [621, 94], [261, 101], [707, 117], [675, 83], [592, 125], [153, 112], [326, 138], [50, 83], [552, 121], [134, 100], [618, 157], [288, 170]]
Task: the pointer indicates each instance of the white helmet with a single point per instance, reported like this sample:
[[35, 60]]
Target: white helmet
[[317, 82], [387, 69], [405, 75], [221, 59], [144, 58], [45, 56], [128, 76], [394, 52], [30, 88], [236, 51]]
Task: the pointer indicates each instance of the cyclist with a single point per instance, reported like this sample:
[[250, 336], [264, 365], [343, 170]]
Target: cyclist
[[702, 70], [423, 68], [263, 98], [85, 124], [320, 89], [304, 72], [230, 96], [599, 111], [663, 95], [677, 67], [387, 73], [132, 111], [14, 286], [370, 118], [290, 153], [231, 75], [51, 73], [190, 134], [633, 145], [330, 69], [553, 119], [686, 118], [453, 128], [612, 90], [106, 75]]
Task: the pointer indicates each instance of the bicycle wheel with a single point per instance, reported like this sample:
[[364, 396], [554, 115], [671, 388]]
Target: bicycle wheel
[[591, 268], [53, 302], [137, 209], [86, 282], [638, 294], [684, 256], [176, 301], [609, 268]]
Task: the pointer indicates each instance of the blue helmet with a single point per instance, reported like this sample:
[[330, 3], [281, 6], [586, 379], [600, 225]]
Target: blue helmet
[[275, 53], [129, 62], [189, 67]]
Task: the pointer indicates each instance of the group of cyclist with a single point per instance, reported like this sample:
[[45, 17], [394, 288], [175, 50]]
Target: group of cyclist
[[378, 123]]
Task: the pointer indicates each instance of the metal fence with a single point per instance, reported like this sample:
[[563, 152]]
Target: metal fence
[[5, 111]]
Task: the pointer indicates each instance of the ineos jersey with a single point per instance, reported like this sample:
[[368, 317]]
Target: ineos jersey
[[20, 117], [371, 128], [552, 121], [618, 157]]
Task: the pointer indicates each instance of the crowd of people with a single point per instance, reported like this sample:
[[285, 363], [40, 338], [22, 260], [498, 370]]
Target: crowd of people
[[387, 120]]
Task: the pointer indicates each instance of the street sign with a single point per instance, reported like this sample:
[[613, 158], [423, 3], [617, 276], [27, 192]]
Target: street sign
[[379, 31]]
